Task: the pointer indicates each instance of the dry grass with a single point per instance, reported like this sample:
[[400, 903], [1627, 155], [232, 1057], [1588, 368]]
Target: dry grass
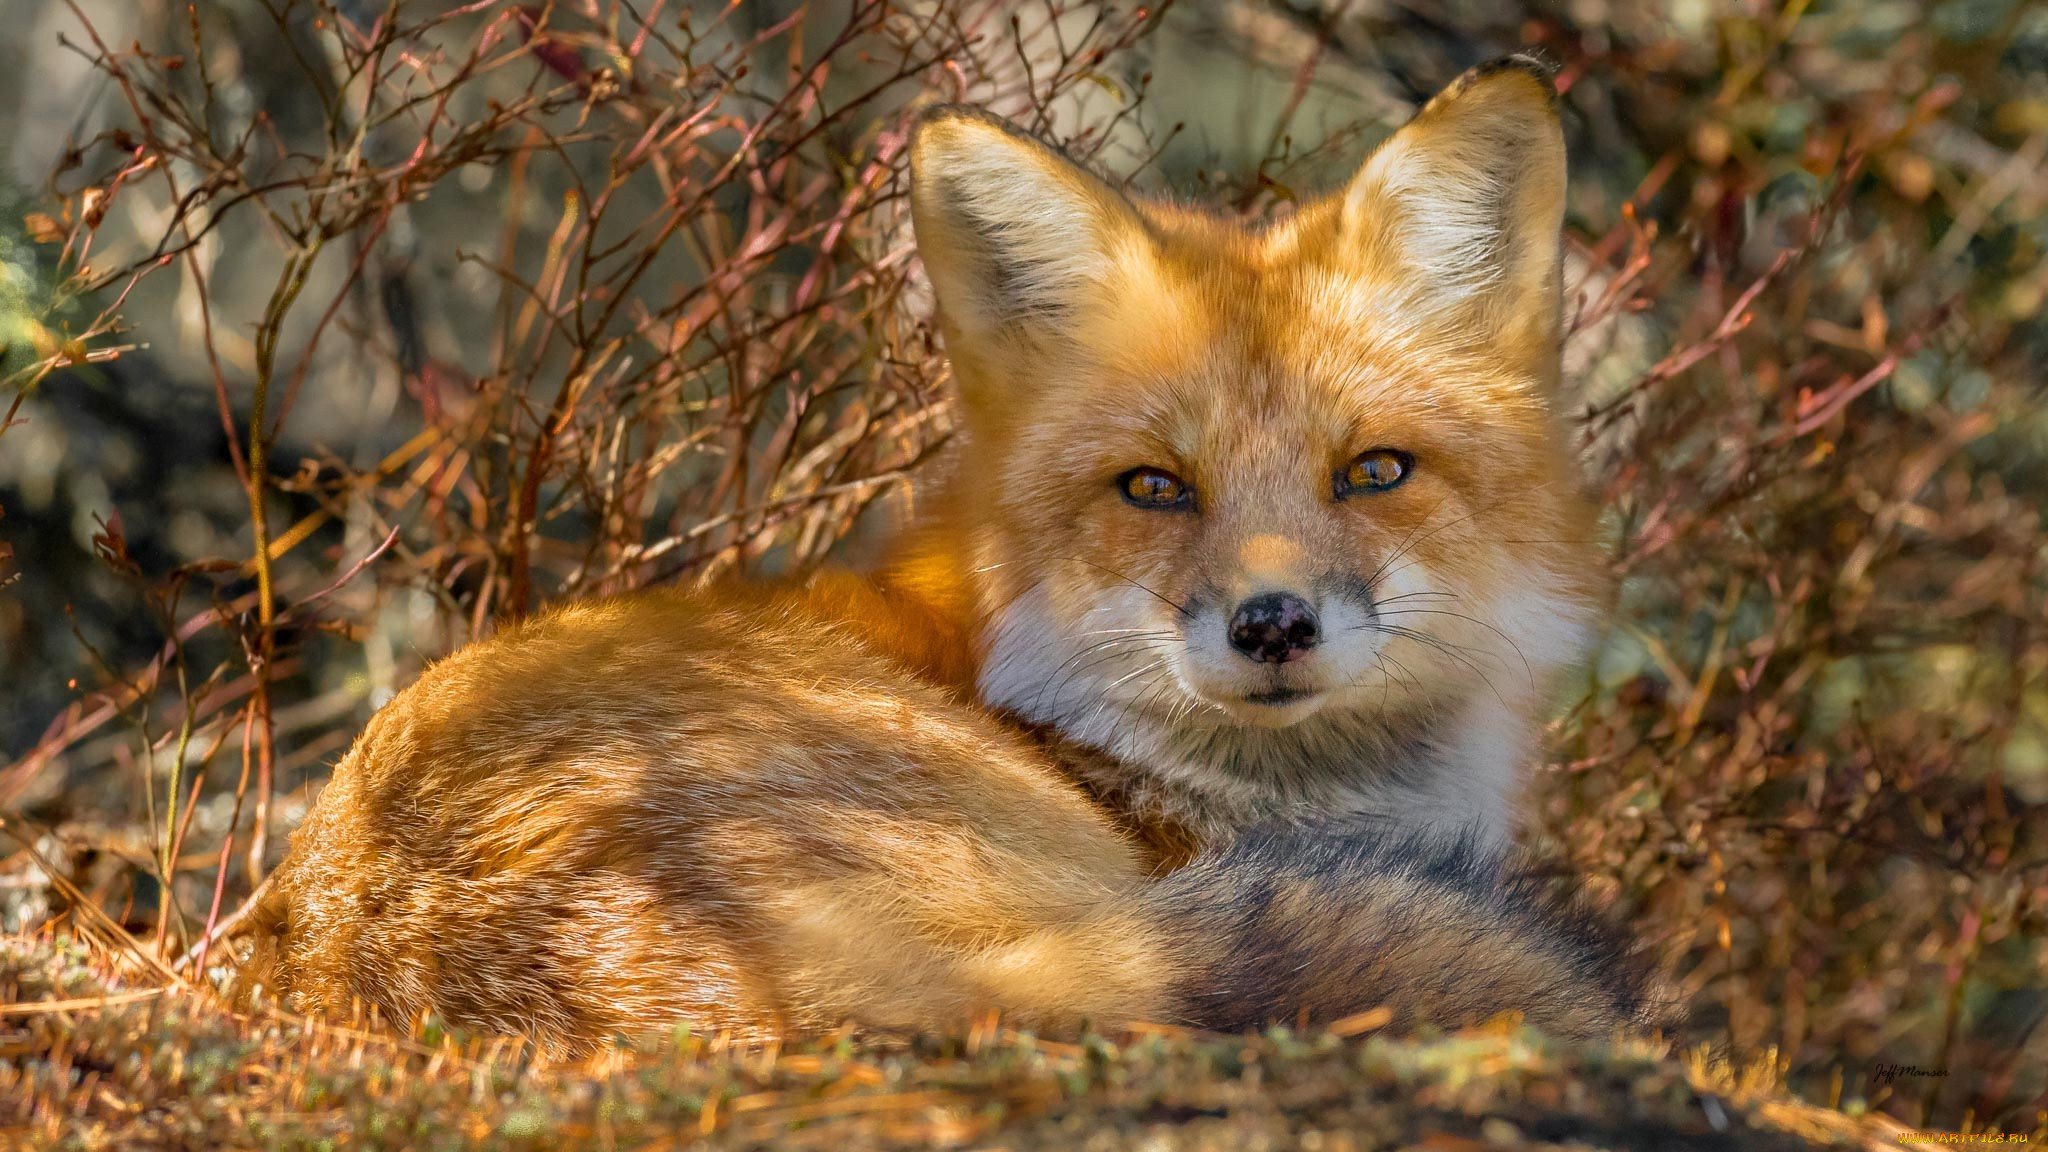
[[86, 1066]]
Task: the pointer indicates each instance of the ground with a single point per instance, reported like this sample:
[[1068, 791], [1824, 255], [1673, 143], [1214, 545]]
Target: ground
[[89, 1060]]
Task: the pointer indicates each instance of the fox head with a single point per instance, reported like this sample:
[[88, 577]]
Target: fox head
[[1241, 496]]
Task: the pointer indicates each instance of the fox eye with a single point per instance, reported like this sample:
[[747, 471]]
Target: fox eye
[[1154, 488], [1375, 470]]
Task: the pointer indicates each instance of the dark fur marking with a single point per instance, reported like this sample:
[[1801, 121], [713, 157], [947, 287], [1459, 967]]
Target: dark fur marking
[[1260, 909], [1535, 67]]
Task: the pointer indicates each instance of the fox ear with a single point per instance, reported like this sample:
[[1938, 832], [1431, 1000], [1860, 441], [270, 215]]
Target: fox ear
[[1015, 236], [1466, 204]]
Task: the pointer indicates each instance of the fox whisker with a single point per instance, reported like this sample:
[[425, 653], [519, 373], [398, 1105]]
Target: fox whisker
[[1107, 692], [1178, 607], [1454, 651], [1413, 596], [1056, 682], [1527, 668]]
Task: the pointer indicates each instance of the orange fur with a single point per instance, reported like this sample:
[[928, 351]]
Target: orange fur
[[951, 786], [1418, 310]]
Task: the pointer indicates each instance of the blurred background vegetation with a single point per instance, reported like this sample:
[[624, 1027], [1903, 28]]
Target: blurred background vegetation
[[334, 332]]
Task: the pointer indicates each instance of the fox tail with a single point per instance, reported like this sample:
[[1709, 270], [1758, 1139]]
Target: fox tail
[[1293, 923]]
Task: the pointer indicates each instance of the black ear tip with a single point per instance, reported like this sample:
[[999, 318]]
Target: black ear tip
[[1531, 63], [1535, 67], [933, 115]]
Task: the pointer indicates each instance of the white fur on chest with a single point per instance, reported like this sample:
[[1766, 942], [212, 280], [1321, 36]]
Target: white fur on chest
[[1455, 766]]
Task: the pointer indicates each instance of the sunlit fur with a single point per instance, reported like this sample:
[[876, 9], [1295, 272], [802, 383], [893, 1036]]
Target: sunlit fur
[[733, 813], [724, 811], [957, 786], [1416, 310]]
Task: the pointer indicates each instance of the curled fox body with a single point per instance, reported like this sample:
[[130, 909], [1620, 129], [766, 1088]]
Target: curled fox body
[[1244, 529]]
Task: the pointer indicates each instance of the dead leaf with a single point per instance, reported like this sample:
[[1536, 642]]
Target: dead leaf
[[43, 228]]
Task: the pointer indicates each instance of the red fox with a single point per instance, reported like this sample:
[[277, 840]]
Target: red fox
[[1200, 694]]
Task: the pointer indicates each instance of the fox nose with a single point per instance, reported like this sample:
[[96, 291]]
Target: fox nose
[[1274, 627]]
